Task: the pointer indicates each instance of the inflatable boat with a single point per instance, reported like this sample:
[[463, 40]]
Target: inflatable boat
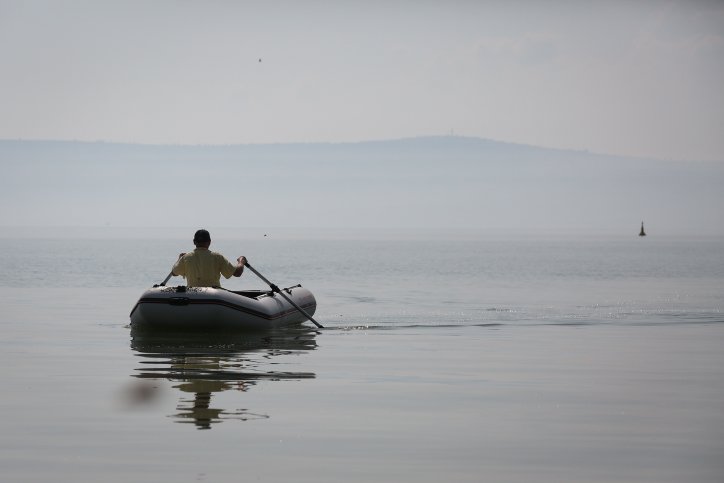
[[217, 308]]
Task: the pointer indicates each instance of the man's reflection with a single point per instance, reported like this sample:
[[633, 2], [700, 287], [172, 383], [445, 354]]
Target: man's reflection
[[203, 364]]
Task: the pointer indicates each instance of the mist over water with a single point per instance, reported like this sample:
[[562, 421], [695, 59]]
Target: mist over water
[[433, 183], [489, 313]]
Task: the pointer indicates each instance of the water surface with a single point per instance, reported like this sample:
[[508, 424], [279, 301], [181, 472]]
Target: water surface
[[461, 360]]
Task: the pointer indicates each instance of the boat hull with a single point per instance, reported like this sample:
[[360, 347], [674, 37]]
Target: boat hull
[[216, 308]]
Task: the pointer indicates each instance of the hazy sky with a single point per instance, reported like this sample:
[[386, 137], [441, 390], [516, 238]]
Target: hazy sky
[[640, 78]]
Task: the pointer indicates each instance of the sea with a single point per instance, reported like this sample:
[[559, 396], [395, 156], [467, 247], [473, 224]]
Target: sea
[[468, 357]]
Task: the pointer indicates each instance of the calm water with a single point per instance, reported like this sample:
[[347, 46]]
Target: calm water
[[507, 360]]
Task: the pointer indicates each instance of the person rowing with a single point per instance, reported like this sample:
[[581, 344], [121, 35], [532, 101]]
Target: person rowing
[[203, 267]]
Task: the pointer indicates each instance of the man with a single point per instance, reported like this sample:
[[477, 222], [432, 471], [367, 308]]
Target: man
[[202, 267]]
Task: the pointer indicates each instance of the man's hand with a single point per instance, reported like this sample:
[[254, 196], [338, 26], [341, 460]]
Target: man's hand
[[241, 262], [181, 255]]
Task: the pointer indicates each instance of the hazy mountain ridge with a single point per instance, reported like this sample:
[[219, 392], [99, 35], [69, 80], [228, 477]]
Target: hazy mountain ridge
[[430, 181], [419, 146]]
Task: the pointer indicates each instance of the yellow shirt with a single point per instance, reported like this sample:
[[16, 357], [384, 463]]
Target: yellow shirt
[[202, 268]]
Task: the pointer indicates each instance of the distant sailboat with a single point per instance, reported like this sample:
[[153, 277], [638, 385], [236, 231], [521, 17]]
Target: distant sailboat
[[642, 232]]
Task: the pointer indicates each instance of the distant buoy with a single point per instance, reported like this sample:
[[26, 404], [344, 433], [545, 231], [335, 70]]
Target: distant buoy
[[642, 232]]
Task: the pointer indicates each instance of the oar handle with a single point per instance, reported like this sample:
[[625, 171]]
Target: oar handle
[[167, 279], [281, 292]]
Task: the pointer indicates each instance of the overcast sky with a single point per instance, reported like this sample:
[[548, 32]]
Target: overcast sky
[[639, 78]]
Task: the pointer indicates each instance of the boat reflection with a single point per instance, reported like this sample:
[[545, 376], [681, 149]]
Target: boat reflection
[[200, 364]]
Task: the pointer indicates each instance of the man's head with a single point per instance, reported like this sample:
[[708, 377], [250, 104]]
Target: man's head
[[202, 238]]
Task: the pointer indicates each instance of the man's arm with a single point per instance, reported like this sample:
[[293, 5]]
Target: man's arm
[[176, 266]]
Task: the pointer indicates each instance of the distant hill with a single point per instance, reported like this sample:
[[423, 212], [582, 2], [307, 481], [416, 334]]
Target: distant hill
[[444, 182], [419, 147]]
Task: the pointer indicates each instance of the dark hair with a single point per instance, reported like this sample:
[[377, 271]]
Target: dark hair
[[202, 236]]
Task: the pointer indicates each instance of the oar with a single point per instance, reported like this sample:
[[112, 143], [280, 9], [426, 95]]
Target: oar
[[280, 292], [170, 274], [166, 280]]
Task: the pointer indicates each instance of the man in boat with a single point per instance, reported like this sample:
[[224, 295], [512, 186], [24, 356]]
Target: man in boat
[[203, 267]]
